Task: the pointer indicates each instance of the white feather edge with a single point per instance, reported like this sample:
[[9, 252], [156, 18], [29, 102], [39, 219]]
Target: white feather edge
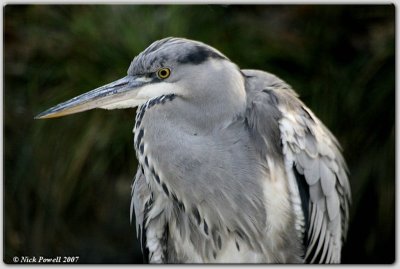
[[292, 184]]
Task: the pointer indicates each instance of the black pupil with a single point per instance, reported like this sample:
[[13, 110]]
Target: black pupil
[[163, 73]]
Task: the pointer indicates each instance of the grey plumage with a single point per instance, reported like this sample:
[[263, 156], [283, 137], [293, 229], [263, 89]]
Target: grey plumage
[[233, 167]]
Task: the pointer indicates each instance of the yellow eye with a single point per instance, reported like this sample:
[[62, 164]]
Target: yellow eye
[[163, 73]]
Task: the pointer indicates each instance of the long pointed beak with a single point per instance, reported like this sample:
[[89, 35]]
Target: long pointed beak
[[118, 94]]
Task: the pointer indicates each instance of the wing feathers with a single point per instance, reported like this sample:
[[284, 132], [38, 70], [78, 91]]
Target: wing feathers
[[316, 156], [140, 205], [328, 179], [311, 150], [316, 193], [332, 206], [311, 172]]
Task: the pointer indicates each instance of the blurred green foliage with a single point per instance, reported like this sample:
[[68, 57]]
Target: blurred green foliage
[[67, 181]]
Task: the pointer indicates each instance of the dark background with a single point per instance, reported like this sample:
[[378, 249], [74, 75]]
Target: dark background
[[67, 181]]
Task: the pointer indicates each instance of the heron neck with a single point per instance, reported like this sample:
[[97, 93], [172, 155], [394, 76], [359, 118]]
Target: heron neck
[[211, 111]]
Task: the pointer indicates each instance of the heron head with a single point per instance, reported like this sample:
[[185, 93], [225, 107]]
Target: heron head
[[186, 68]]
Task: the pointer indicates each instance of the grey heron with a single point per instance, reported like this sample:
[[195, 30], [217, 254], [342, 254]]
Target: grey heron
[[233, 167]]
